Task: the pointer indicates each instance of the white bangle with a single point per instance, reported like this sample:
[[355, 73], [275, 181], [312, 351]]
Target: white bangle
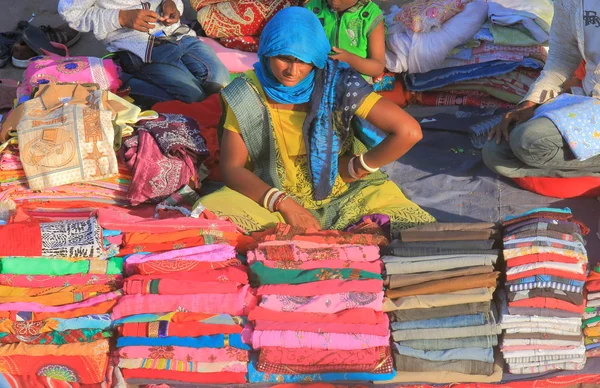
[[365, 166], [266, 198], [351, 170], [273, 199]]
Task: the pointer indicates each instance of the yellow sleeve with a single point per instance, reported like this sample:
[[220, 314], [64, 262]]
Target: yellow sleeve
[[231, 122], [368, 104]]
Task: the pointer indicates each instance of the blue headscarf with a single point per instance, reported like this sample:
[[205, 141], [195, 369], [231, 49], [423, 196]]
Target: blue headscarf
[[296, 32]]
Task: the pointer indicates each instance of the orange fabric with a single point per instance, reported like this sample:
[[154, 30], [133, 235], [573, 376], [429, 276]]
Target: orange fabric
[[400, 95], [561, 187]]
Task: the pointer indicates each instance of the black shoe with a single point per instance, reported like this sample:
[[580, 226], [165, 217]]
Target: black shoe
[[7, 41]]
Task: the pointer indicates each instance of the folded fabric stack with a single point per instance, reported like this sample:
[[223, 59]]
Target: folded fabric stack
[[13, 186], [57, 289], [181, 318], [469, 53], [546, 267], [440, 284], [591, 322], [320, 313]]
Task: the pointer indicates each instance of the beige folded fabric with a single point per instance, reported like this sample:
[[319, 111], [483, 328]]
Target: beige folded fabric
[[446, 285], [444, 377], [397, 281], [439, 300]]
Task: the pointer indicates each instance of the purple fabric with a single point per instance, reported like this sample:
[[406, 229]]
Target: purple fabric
[[164, 157], [154, 175], [380, 219]]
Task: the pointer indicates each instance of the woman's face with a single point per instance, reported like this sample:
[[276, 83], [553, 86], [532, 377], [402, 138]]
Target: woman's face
[[289, 70], [340, 5]]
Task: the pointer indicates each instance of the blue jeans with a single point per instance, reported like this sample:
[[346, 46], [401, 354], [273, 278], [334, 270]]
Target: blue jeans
[[186, 70], [456, 321], [474, 354]]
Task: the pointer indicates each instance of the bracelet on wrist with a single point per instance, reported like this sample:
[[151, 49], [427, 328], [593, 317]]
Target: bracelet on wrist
[[364, 165], [268, 197], [351, 171]]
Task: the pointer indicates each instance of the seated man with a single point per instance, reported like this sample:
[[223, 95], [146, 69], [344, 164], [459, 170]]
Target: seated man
[[152, 45], [536, 147]]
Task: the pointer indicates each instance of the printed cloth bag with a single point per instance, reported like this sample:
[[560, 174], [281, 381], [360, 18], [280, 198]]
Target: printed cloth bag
[[43, 70], [69, 143]]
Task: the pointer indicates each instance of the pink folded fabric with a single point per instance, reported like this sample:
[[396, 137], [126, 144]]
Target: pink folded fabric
[[182, 353], [304, 339], [375, 267], [239, 303], [343, 328], [325, 287], [235, 61], [328, 303], [39, 308], [205, 253], [117, 240], [303, 251], [132, 220]]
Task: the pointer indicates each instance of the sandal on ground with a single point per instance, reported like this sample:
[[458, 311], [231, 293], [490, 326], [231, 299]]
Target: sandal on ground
[[37, 40]]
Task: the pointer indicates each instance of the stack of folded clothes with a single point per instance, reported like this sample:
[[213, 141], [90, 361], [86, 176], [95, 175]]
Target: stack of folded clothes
[[320, 313], [546, 267], [181, 318], [440, 284], [57, 288], [591, 316]]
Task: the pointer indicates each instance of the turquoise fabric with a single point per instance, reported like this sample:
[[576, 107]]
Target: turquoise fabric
[[295, 32]]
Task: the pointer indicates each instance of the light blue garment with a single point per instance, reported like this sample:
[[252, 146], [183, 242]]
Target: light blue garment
[[110, 232], [474, 354], [578, 121], [209, 341], [456, 321], [294, 32], [102, 322], [255, 376], [565, 210]]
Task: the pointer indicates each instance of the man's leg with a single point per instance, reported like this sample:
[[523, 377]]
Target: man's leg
[[539, 144], [166, 71], [203, 63]]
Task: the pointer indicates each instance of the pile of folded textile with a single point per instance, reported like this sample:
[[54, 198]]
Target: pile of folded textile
[[469, 53], [546, 267], [320, 312], [181, 318], [57, 289], [591, 322], [440, 284]]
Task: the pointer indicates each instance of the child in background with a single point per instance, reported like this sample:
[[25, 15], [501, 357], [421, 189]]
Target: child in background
[[356, 31]]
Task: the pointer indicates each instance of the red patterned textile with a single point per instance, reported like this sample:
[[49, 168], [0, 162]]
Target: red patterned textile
[[239, 18]]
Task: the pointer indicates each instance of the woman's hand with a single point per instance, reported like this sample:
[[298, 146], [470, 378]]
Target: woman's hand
[[343, 169], [521, 114], [296, 215]]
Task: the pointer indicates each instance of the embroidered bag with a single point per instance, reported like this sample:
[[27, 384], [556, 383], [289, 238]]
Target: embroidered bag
[[43, 70]]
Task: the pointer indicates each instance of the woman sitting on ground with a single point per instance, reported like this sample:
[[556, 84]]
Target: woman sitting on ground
[[290, 151]]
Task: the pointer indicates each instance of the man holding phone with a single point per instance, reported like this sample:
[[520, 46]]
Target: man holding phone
[[152, 45]]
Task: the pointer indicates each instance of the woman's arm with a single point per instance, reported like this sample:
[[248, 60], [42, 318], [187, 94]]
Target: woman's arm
[[374, 64], [234, 155], [403, 133]]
